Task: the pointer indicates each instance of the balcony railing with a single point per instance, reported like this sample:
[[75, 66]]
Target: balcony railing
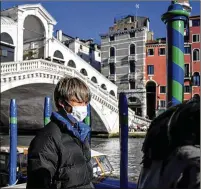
[[112, 77], [187, 76], [131, 76], [132, 57], [112, 59]]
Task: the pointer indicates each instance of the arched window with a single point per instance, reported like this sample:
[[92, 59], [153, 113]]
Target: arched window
[[94, 79], [196, 55], [71, 63], [103, 86], [132, 99], [196, 96], [112, 93], [132, 49], [112, 68], [132, 66], [5, 37], [58, 54], [84, 72], [112, 52], [196, 79]]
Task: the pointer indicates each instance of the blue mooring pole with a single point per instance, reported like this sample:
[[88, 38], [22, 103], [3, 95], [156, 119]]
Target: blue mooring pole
[[123, 130], [47, 110], [13, 142], [87, 120]]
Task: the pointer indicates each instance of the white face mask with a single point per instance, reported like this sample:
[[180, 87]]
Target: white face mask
[[79, 112]]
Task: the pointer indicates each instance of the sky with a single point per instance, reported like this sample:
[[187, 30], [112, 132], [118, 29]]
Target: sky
[[89, 19]]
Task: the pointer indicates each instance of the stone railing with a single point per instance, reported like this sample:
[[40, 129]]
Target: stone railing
[[13, 71], [46, 70], [101, 77]]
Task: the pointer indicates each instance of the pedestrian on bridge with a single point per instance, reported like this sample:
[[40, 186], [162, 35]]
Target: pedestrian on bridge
[[59, 155], [172, 149]]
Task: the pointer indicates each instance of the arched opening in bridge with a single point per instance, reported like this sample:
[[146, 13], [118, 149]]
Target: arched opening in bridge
[[31, 117], [151, 99], [94, 79], [112, 93], [7, 48], [58, 57], [135, 104], [71, 63], [103, 86], [84, 72], [33, 38]]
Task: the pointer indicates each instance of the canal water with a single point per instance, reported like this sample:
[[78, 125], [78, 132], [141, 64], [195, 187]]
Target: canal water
[[110, 147]]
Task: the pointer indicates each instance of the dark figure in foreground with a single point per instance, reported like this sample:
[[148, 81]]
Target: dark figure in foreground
[[172, 149], [59, 156]]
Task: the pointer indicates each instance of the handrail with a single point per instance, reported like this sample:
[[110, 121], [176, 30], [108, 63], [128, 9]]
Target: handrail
[[80, 59]]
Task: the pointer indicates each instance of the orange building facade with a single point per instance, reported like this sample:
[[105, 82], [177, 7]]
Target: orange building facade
[[155, 70]]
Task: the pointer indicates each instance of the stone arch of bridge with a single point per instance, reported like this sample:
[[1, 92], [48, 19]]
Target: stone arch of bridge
[[19, 91]]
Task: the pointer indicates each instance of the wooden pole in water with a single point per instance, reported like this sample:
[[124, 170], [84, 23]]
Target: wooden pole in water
[[87, 120], [13, 142], [123, 131]]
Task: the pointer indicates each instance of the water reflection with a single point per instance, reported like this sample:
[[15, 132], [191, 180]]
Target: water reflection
[[109, 147]]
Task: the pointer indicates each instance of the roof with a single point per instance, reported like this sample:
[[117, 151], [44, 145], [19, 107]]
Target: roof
[[23, 8], [194, 17], [7, 21]]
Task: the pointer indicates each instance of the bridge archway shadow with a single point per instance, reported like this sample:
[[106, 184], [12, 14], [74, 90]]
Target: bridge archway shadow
[[30, 106]]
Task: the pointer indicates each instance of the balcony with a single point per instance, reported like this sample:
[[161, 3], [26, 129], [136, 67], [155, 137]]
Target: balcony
[[112, 59], [187, 76], [112, 77], [132, 57], [131, 76]]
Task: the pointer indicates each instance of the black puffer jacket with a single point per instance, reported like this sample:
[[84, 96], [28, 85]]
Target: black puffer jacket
[[58, 159]]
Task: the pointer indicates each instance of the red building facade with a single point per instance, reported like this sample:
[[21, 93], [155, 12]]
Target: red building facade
[[155, 70]]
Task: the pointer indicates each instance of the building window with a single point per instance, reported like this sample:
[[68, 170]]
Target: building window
[[187, 50], [196, 79], [81, 47], [112, 52], [162, 103], [186, 70], [196, 38], [4, 53], [196, 55], [132, 34], [112, 38], [196, 22], [132, 84], [161, 51], [132, 49], [112, 68], [186, 89], [150, 52], [150, 69], [162, 89], [132, 66]]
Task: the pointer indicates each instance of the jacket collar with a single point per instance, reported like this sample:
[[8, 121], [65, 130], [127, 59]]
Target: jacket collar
[[78, 129]]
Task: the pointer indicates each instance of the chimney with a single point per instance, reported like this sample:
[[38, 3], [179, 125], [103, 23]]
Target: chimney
[[59, 35]]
